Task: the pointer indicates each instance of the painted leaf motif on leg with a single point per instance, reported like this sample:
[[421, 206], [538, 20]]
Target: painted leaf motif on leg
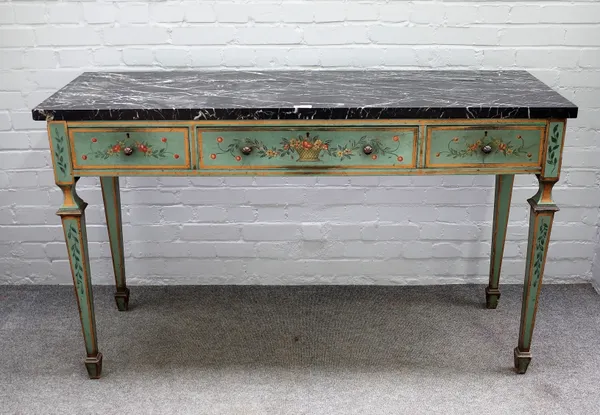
[[553, 148], [539, 253], [58, 152], [73, 243]]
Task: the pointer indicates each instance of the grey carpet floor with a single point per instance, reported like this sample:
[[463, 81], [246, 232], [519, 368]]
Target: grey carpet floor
[[299, 350]]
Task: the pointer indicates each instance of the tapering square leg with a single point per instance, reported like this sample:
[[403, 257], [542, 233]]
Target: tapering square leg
[[72, 213], [540, 224], [502, 198], [112, 209]]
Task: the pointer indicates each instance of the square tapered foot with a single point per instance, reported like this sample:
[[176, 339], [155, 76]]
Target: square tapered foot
[[94, 366], [122, 299], [522, 360], [492, 295]]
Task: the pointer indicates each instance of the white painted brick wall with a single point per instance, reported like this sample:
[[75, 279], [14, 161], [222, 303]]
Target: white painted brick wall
[[376, 230]]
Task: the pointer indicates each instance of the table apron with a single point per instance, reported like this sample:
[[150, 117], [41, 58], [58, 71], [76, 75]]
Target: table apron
[[306, 147]]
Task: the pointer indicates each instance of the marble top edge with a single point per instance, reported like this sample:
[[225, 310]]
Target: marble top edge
[[322, 94]]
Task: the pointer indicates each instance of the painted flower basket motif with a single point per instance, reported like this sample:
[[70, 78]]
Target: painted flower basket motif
[[308, 148]]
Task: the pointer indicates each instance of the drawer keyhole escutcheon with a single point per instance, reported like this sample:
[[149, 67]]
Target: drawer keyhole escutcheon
[[367, 150], [486, 148], [128, 151], [246, 150]]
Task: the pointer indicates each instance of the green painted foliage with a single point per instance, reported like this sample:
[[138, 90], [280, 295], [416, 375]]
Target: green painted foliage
[[107, 148], [553, 147], [59, 151], [461, 148], [484, 146], [73, 244], [540, 245], [324, 147]]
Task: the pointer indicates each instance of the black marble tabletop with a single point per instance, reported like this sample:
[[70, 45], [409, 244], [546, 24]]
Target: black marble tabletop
[[322, 95]]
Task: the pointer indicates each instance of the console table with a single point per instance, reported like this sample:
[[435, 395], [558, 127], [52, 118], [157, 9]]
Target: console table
[[280, 123]]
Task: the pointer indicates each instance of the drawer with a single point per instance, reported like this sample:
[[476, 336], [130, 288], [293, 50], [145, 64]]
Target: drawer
[[466, 146], [104, 148], [280, 148]]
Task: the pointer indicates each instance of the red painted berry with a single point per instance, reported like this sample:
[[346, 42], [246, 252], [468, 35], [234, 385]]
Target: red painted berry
[[238, 158], [219, 139], [400, 158], [94, 139], [164, 139], [176, 156], [396, 138], [84, 157], [213, 156], [374, 156]]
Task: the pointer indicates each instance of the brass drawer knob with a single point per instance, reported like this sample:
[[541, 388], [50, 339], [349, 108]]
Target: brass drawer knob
[[368, 149], [487, 149], [246, 150], [128, 151]]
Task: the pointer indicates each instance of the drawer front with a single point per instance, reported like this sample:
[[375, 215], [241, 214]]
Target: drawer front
[[466, 146], [294, 149], [104, 148]]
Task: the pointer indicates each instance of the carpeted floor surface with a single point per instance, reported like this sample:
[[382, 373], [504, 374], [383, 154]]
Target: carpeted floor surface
[[299, 350]]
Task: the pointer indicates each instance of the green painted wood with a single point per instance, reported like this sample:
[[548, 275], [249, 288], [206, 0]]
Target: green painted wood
[[553, 150], [280, 148], [94, 366], [60, 152], [76, 239], [539, 237], [538, 199], [105, 149], [464, 146], [74, 207], [112, 209], [502, 199]]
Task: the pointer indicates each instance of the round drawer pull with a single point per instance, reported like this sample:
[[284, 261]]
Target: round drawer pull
[[128, 151], [487, 149], [367, 149], [246, 150]]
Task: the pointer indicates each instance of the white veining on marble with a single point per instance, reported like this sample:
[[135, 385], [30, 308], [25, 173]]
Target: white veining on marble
[[304, 94]]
